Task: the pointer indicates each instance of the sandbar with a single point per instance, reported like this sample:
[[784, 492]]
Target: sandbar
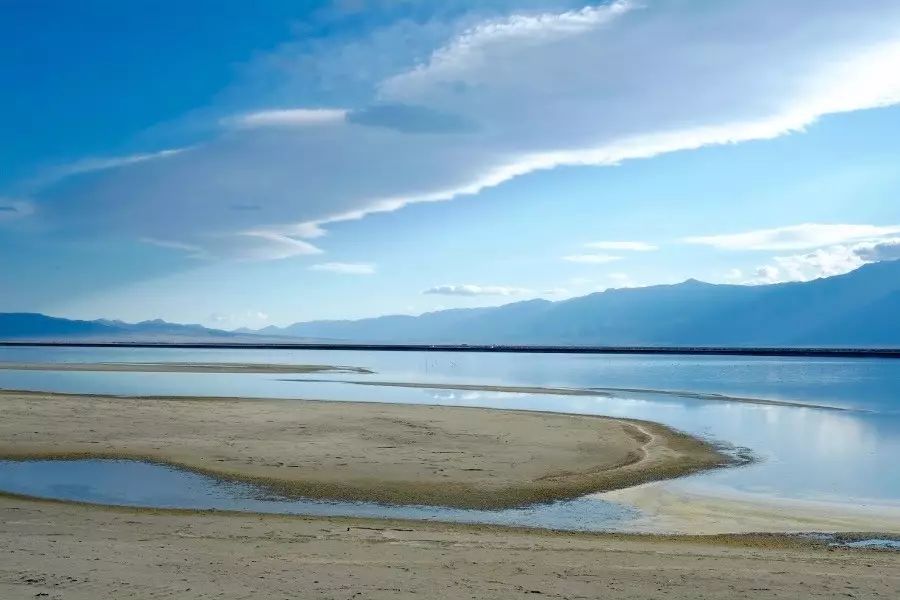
[[396, 453]]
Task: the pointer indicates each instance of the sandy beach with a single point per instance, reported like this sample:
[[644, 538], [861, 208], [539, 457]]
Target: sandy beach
[[467, 457], [461, 456], [71, 552]]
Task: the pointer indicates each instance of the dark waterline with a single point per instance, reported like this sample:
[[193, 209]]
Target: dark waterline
[[501, 348]]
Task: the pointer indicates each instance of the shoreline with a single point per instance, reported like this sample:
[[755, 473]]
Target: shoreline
[[597, 392], [682, 509], [392, 453], [753, 351]]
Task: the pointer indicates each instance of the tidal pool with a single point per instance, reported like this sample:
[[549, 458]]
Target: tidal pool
[[141, 484]]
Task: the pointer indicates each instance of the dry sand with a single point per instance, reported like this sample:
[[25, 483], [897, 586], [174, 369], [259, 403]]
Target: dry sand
[[57, 551], [468, 457]]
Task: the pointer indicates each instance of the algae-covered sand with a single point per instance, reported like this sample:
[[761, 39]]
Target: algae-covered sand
[[467, 457]]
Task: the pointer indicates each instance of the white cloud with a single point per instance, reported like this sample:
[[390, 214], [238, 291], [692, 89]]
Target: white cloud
[[289, 117], [595, 86], [827, 262], [734, 275], [93, 164], [242, 246], [592, 259], [795, 237], [622, 246], [768, 274], [345, 268], [476, 290]]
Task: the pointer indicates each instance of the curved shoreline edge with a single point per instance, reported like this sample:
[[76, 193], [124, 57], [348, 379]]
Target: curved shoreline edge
[[639, 451], [596, 392]]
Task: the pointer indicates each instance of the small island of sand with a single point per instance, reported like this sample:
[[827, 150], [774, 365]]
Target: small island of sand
[[413, 454]]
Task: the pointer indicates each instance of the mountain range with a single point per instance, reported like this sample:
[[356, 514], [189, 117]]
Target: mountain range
[[38, 327], [860, 308]]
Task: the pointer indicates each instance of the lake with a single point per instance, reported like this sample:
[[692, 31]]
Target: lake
[[843, 457]]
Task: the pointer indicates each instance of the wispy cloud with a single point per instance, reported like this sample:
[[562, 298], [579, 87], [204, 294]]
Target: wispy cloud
[[292, 117], [795, 237], [622, 246], [94, 164], [243, 246], [464, 119], [345, 268], [592, 259], [476, 290]]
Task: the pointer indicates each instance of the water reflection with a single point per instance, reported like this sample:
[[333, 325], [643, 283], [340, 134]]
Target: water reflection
[[804, 453], [132, 483]]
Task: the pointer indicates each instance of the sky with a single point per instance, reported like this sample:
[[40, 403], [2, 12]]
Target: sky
[[243, 164]]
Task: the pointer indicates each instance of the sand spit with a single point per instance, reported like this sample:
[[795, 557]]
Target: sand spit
[[605, 392], [407, 454]]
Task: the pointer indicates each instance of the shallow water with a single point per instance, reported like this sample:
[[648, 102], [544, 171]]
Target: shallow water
[[134, 483], [804, 453]]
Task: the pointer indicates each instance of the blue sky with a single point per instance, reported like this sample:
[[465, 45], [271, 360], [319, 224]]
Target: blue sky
[[246, 165]]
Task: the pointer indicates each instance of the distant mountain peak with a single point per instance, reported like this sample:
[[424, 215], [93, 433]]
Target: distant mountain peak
[[695, 283]]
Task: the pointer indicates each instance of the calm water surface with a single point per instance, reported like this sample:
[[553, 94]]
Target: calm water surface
[[846, 456]]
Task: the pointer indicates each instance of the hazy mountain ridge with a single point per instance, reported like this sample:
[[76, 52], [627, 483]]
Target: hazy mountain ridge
[[38, 327], [859, 308]]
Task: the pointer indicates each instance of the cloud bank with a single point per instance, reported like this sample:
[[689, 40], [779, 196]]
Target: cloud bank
[[795, 237], [834, 249], [476, 290], [508, 96]]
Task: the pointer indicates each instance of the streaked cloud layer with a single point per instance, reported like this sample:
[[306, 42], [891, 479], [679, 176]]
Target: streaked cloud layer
[[508, 96], [795, 237]]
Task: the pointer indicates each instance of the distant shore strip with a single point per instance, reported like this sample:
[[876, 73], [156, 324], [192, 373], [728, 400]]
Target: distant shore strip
[[820, 352]]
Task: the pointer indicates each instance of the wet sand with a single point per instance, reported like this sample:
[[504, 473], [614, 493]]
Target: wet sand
[[593, 391], [177, 367], [676, 507], [71, 552], [402, 454]]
